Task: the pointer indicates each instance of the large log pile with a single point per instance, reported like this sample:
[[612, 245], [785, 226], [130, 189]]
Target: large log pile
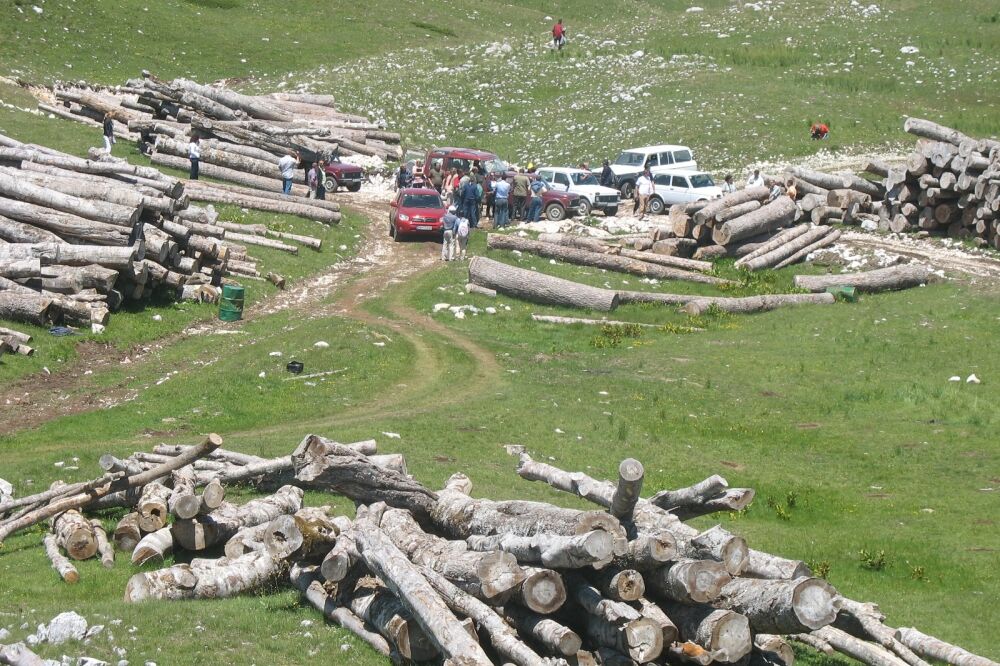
[[80, 237], [441, 576]]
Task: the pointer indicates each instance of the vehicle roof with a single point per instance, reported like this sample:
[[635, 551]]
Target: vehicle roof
[[466, 153], [566, 169], [682, 172], [656, 149], [419, 190]]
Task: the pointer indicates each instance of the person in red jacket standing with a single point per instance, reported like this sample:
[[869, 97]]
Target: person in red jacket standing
[[558, 35]]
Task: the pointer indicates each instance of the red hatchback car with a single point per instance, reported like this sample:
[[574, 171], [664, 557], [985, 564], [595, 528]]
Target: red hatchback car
[[416, 210]]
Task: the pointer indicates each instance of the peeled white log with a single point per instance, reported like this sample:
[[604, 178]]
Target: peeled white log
[[60, 563], [782, 606], [881, 279], [935, 648], [154, 546], [713, 208], [263, 242], [548, 633], [538, 287], [572, 552], [205, 579]]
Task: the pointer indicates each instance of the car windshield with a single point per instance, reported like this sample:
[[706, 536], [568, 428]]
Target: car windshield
[[582, 178], [631, 159], [422, 201], [495, 165], [702, 180]]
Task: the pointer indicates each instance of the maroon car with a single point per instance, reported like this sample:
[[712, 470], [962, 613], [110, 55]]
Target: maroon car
[[341, 174], [555, 205], [416, 210]]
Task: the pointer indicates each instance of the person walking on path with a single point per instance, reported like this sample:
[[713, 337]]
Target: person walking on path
[[450, 225], [644, 190], [727, 186], [501, 203], [522, 187], [607, 175], [462, 236], [194, 155], [321, 180], [109, 133], [538, 188], [558, 35], [756, 180], [286, 167]]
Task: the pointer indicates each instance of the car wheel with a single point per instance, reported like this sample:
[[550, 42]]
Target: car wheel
[[397, 235], [627, 189], [585, 207], [331, 184], [555, 212], [354, 187], [392, 230], [656, 206], [610, 212]]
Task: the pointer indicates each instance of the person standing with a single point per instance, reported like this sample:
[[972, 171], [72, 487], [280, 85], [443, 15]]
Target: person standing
[[756, 180], [312, 180], [521, 188], [607, 175], [194, 155], [501, 203], [470, 200], [538, 188], [727, 186], [404, 178], [286, 167], [436, 176], [449, 225], [462, 236], [109, 133], [558, 35], [321, 180], [644, 190]]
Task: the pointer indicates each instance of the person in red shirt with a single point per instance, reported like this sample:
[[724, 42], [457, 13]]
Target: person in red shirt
[[558, 35], [819, 130]]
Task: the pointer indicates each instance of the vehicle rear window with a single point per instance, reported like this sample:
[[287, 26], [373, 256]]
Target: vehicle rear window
[[661, 179], [682, 156], [702, 180], [680, 181], [666, 158], [631, 159], [422, 201]]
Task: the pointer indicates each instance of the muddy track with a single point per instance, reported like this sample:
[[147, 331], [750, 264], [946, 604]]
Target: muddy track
[[379, 267]]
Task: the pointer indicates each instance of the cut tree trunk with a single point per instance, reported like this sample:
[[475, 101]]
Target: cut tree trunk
[[538, 287], [247, 540], [733, 212], [619, 584], [933, 131], [863, 651], [223, 523], [75, 535], [570, 552], [60, 563], [67, 226], [788, 245], [769, 217], [881, 279], [27, 308], [551, 319], [615, 624], [100, 211], [773, 567], [205, 579], [656, 614], [255, 107], [306, 536], [827, 239], [127, 533], [152, 507], [21, 268], [827, 181], [713, 208], [626, 495], [666, 260], [724, 633], [104, 547], [327, 204], [598, 260], [215, 155], [774, 649], [569, 240], [542, 590], [553, 636], [750, 304], [13, 231], [689, 581], [782, 606], [342, 557], [372, 601], [155, 546], [934, 648], [64, 254]]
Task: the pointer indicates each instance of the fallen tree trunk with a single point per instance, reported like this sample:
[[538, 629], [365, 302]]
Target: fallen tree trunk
[[66, 225], [881, 279], [750, 304], [205, 579], [769, 217], [724, 633], [782, 607], [598, 260], [27, 308], [550, 319], [713, 208], [934, 648], [863, 651], [154, 546], [326, 204], [64, 254], [14, 231], [933, 131], [538, 287], [298, 207], [22, 189]]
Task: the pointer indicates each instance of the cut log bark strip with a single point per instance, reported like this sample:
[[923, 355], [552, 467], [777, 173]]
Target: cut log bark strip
[[542, 590], [491, 576], [689, 581], [553, 636], [324, 465], [752, 304], [504, 639], [598, 260], [782, 606], [554, 551], [155, 546], [75, 535], [881, 279], [222, 524], [127, 533], [406, 581], [934, 648], [104, 547], [205, 579], [713, 208], [538, 287], [60, 563], [778, 213], [724, 633]]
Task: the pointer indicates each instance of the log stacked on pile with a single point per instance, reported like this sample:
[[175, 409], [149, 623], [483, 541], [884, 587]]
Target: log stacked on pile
[[442, 576], [950, 184], [79, 237]]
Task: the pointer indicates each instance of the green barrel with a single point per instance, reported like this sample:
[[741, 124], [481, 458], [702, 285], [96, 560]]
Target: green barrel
[[843, 293], [231, 303]]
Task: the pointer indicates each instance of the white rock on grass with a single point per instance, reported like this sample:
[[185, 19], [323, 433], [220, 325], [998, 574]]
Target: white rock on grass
[[954, 378], [6, 490], [69, 626], [321, 344], [972, 379], [392, 435], [441, 306]]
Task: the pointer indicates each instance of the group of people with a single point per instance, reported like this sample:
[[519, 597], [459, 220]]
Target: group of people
[[777, 187], [455, 239], [316, 180]]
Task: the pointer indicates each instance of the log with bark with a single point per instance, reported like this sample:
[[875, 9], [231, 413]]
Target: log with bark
[[776, 214], [880, 279], [205, 579], [750, 304], [724, 633], [538, 287], [782, 606], [223, 523]]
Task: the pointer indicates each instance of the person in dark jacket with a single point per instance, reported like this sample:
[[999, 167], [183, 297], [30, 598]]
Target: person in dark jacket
[[470, 202], [607, 175], [109, 133]]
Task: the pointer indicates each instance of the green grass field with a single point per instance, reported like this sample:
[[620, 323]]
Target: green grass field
[[841, 417]]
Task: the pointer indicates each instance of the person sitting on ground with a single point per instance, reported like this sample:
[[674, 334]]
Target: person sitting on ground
[[756, 180], [819, 131], [777, 189], [449, 223], [607, 175], [791, 190], [727, 185], [558, 35]]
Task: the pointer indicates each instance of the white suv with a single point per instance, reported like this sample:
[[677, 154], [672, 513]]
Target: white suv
[[583, 184], [629, 165], [679, 187]]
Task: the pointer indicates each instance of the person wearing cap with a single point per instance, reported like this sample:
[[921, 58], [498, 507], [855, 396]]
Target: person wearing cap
[[449, 224], [607, 175], [728, 187]]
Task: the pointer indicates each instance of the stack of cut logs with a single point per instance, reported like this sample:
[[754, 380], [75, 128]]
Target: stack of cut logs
[[950, 184], [78, 237], [243, 136], [442, 576]]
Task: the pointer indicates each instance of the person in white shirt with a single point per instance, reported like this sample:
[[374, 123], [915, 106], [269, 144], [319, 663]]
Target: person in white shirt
[[644, 190], [194, 154], [756, 180], [727, 186], [286, 165]]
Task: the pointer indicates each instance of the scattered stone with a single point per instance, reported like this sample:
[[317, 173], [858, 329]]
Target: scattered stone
[[321, 344], [972, 379], [69, 626]]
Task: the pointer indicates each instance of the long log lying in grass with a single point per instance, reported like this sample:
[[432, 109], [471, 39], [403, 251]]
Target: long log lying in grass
[[231, 175], [934, 648], [607, 261], [538, 287], [769, 217], [880, 279], [750, 304], [327, 204]]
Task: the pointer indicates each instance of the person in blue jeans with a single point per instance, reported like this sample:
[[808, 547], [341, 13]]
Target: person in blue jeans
[[470, 202], [501, 203], [538, 188]]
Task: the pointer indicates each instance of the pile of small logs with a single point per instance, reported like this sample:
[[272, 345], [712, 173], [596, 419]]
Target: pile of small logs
[[949, 184], [79, 237], [14, 342], [441, 576]]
